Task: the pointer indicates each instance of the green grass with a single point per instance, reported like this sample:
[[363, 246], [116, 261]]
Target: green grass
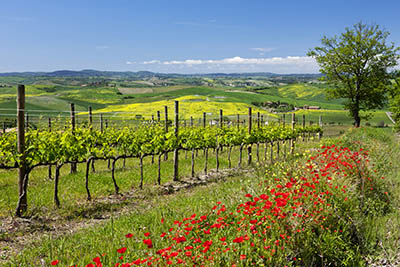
[[382, 232], [72, 186], [376, 231], [42, 97], [145, 212]]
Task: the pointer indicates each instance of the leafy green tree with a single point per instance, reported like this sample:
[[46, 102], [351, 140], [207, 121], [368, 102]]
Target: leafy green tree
[[357, 64], [395, 100]]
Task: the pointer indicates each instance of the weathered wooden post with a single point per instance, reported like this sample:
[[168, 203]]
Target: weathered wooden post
[[249, 145], [176, 151], [238, 120], [49, 128], [166, 128], [304, 125], [283, 119], [23, 200], [73, 165], [158, 116], [90, 118], [293, 128], [220, 118], [320, 125], [101, 123], [204, 119]]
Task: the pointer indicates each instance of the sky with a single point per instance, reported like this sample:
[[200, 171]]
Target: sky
[[179, 36]]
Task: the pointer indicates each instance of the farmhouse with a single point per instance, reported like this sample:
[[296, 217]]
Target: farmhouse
[[311, 107]]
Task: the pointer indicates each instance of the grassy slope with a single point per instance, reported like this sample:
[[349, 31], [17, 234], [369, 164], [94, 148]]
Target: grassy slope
[[103, 97]]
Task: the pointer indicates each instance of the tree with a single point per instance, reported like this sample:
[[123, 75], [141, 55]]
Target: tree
[[394, 100], [357, 64]]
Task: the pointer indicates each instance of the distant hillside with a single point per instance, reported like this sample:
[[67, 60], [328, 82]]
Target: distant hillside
[[148, 74]]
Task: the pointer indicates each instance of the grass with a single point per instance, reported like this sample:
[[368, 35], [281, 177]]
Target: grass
[[375, 229], [49, 98], [382, 232], [75, 208], [72, 186]]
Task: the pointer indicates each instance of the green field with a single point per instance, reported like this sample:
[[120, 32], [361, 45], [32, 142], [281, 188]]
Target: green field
[[146, 98]]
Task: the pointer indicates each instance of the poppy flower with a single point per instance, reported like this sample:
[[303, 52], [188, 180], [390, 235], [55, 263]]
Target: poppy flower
[[121, 250]]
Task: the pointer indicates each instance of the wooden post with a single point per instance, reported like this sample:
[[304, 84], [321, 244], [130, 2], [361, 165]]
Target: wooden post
[[262, 119], [166, 127], [191, 121], [220, 118], [166, 118], [192, 163], [73, 165], [293, 126], [158, 116], [217, 154], [304, 124], [176, 152], [283, 119], [22, 202], [249, 146], [49, 128], [4, 127], [238, 120], [258, 119], [106, 123], [101, 123], [320, 125], [90, 118], [204, 119]]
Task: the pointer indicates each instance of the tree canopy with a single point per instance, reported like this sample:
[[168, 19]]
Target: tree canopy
[[357, 63]]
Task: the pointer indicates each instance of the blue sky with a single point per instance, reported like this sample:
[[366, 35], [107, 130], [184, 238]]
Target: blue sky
[[178, 36]]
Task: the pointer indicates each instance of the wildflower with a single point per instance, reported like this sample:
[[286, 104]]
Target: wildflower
[[121, 250]]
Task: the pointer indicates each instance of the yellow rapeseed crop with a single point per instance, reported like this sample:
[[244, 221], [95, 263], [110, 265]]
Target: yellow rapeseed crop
[[188, 106]]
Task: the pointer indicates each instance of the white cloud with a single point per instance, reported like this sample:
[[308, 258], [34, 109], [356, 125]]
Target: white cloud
[[130, 62], [289, 64], [263, 49], [152, 62], [238, 60]]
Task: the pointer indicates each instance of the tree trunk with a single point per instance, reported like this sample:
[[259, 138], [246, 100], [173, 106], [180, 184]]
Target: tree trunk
[[357, 119]]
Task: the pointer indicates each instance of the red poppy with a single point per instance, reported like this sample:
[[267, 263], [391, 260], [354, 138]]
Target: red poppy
[[121, 250], [148, 242], [129, 235]]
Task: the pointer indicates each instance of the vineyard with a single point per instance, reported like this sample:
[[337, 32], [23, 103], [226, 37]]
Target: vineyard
[[58, 148], [301, 215]]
